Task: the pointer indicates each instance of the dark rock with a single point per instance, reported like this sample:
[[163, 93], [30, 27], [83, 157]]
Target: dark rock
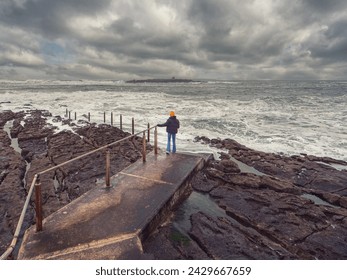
[[266, 215], [44, 149], [284, 218], [57, 119], [215, 141], [12, 194], [330, 243], [203, 139], [202, 183], [327, 160], [279, 185], [35, 127], [227, 166], [5, 117], [16, 128], [305, 171], [227, 239], [173, 245]]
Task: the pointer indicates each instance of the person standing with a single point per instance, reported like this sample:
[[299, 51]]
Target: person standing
[[172, 125]]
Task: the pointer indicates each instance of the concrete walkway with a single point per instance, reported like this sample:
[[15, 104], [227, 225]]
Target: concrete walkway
[[111, 223]]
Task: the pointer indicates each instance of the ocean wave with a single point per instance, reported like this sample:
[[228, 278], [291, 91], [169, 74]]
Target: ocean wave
[[275, 117]]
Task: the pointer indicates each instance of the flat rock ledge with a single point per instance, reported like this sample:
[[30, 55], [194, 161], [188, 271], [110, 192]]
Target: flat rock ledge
[[293, 207]]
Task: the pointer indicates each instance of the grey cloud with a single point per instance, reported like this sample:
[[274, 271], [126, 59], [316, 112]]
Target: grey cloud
[[329, 44], [48, 17], [220, 38], [323, 6], [124, 38]]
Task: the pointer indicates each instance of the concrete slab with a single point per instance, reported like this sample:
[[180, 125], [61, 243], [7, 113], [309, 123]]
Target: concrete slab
[[110, 223]]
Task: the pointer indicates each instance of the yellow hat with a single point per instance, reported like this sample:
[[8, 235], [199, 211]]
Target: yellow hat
[[172, 113]]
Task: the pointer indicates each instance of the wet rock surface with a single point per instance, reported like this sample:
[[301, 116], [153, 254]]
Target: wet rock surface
[[35, 146], [295, 210]]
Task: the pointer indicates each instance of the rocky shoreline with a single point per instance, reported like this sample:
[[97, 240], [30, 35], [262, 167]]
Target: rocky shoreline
[[33, 146], [255, 205], [294, 208]]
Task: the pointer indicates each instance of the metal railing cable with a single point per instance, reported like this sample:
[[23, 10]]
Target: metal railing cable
[[36, 182], [94, 151]]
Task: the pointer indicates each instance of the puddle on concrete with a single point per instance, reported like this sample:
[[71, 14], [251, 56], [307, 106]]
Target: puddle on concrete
[[316, 200]]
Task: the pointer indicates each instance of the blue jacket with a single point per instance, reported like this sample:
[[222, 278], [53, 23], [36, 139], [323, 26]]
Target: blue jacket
[[172, 125]]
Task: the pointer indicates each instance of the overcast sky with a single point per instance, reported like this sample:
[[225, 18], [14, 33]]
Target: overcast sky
[[210, 39]]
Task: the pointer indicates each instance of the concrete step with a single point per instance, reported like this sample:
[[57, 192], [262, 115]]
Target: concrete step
[[111, 223]]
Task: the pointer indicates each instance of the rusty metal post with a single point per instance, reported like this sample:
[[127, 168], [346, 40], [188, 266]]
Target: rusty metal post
[[148, 133], [133, 126], [108, 168], [120, 122], [38, 204], [144, 144], [112, 118], [155, 140], [88, 116]]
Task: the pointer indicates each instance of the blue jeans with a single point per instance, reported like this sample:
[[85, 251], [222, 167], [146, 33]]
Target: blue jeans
[[168, 147]]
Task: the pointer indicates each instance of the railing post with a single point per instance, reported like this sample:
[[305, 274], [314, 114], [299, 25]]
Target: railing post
[[112, 118], [104, 117], [133, 126], [120, 122], [75, 116], [88, 116], [38, 204], [155, 140], [144, 144], [69, 115], [148, 133], [108, 168], [66, 113]]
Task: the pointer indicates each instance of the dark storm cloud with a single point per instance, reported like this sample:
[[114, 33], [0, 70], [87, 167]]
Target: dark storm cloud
[[323, 6], [195, 38], [235, 33], [47, 16], [333, 43], [124, 37]]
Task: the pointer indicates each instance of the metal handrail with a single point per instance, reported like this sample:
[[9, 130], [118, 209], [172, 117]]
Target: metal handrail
[[36, 179], [20, 222], [94, 151]]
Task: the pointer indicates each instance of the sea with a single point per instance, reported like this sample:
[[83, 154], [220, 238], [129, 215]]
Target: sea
[[287, 117]]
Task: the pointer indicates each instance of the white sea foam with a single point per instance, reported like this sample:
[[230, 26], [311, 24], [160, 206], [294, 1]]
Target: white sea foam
[[267, 116]]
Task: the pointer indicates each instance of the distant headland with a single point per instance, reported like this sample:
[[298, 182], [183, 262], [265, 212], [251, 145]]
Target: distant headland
[[172, 80]]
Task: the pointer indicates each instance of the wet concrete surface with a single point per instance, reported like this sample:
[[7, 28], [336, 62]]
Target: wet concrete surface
[[139, 199]]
